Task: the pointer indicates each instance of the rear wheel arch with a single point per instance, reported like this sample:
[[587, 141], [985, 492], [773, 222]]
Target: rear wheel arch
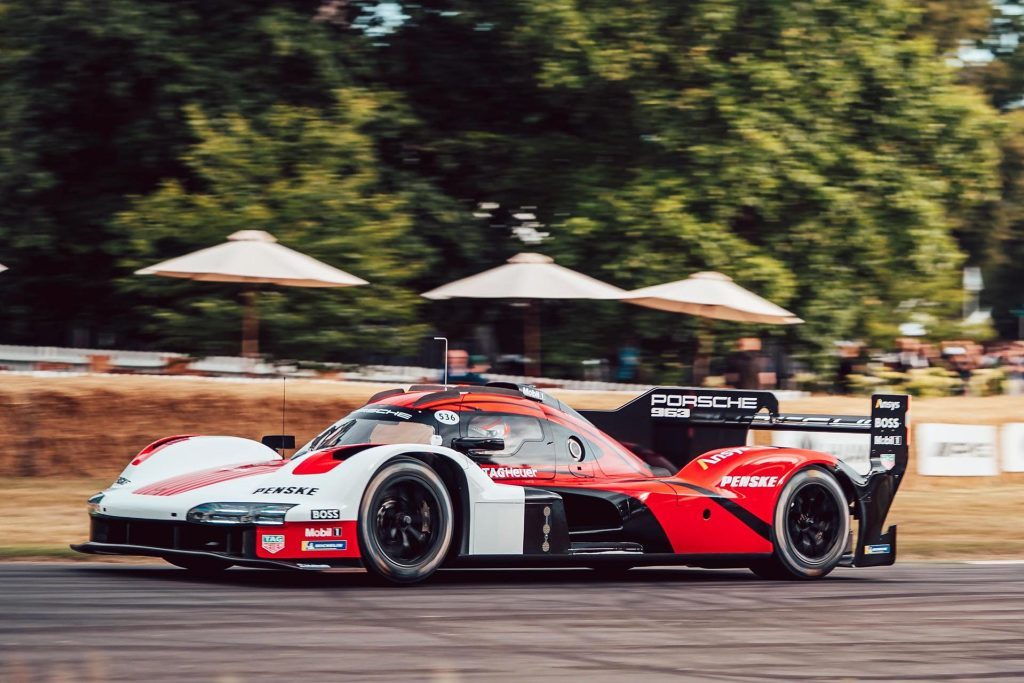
[[787, 562]]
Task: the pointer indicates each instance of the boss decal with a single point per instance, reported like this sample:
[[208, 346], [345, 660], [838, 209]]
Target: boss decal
[[290, 490], [325, 514]]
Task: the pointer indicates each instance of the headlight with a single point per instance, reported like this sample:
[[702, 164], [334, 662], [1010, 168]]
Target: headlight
[[94, 504], [239, 513]]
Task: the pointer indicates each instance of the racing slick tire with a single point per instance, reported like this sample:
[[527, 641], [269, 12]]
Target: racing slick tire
[[405, 522], [199, 565], [811, 528]]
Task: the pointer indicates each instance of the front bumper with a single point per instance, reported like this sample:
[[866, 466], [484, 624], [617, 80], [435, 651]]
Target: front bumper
[[154, 538]]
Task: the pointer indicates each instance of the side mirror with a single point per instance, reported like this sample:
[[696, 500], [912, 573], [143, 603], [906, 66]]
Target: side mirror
[[467, 444], [279, 442]]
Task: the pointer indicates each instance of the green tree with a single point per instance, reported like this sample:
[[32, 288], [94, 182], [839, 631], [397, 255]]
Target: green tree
[[314, 181], [815, 151]]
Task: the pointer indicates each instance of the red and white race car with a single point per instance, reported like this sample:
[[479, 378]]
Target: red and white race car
[[507, 475]]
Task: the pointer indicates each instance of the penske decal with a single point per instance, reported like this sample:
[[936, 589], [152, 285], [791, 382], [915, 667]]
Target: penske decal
[[751, 482]]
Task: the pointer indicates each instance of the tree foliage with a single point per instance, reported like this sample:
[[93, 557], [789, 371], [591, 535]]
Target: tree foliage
[[820, 153]]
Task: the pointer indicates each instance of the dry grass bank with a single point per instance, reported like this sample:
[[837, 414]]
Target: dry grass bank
[[90, 426]]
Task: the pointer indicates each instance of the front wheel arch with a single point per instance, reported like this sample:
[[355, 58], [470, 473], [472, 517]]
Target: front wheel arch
[[405, 527]]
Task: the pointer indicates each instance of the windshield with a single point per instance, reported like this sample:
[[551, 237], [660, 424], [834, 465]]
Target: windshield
[[376, 430]]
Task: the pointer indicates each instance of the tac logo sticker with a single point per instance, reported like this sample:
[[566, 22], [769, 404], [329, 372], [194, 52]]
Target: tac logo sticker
[[447, 417], [272, 543]]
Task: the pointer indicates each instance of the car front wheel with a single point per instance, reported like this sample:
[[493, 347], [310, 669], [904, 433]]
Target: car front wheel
[[405, 522]]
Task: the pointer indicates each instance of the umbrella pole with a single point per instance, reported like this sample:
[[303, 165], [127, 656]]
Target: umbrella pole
[[705, 345], [531, 338], [250, 325]]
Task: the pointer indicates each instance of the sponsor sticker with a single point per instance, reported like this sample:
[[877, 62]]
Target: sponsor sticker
[[749, 482], [679, 405], [887, 423], [324, 545], [530, 392], [289, 490], [447, 417], [888, 460], [325, 514], [887, 405], [272, 543], [386, 411], [323, 532], [122, 481], [718, 457], [880, 549], [888, 440], [510, 472]]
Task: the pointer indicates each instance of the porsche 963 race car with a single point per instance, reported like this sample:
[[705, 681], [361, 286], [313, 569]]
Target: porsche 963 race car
[[507, 475]]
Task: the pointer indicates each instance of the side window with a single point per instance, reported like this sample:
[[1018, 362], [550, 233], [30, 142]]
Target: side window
[[529, 452], [518, 431]]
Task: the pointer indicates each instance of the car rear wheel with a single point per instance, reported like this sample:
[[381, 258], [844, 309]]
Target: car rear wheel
[[200, 565], [811, 527], [405, 522]]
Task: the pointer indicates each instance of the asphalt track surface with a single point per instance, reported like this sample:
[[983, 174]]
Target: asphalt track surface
[[116, 622]]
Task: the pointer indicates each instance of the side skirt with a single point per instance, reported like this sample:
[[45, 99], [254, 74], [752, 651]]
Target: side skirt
[[94, 548], [717, 561]]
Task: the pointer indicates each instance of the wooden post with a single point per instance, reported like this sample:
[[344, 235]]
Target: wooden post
[[531, 338], [250, 325]]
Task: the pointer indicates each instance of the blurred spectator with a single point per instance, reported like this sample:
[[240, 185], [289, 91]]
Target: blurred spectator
[[461, 372], [910, 355], [1013, 360], [851, 361], [747, 367], [629, 359]]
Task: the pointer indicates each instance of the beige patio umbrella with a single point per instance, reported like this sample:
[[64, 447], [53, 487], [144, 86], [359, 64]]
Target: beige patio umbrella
[[712, 295], [253, 257], [529, 277]]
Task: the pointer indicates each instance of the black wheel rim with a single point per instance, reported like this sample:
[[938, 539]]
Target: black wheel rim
[[813, 522], [406, 523]]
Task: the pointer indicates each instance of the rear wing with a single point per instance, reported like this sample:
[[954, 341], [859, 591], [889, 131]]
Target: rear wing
[[681, 423]]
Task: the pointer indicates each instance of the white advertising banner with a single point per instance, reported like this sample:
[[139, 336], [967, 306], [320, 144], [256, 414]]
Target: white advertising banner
[[1012, 440], [853, 449], [949, 450]]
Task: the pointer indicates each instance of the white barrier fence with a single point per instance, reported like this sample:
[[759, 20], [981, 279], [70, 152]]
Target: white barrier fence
[[941, 450]]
